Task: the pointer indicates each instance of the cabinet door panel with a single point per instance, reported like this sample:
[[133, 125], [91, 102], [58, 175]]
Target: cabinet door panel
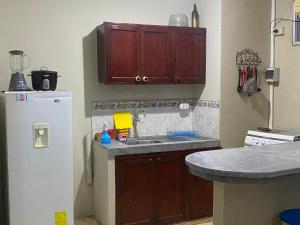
[[199, 197], [123, 53], [199, 194], [170, 178], [135, 191], [190, 55], [156, 54]]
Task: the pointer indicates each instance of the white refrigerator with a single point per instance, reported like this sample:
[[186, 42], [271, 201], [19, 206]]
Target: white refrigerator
[[36, 160]]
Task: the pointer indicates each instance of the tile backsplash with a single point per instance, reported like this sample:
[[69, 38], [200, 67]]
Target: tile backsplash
[[157, 117], [141, 104]]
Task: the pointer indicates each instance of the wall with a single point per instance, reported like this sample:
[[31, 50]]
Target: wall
[[287, 101], [259, 204], [61, 36], [210, 17], [245, 24]]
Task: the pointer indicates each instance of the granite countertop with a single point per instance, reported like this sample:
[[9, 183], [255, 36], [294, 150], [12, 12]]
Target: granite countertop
[[167, 145], [255, 164]]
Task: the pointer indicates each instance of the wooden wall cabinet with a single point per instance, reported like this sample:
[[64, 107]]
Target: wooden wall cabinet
[[150, 54], [157, 189], [190, 55]]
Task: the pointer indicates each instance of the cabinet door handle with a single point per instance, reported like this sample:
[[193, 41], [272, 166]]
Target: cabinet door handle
[[158, 159], [145, 79], [150, 160], [138, 79]]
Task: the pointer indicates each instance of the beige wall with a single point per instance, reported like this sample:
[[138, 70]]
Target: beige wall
[[210, 17], [287, 100], [259, 204], [244, 25], [60, 35]]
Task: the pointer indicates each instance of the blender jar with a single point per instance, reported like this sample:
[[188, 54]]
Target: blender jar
[[17, 61]]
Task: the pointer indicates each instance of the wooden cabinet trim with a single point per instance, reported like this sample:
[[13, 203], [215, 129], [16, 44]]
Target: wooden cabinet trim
[[182, 152]]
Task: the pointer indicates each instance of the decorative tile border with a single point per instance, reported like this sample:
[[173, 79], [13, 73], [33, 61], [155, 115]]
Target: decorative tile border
[[153, 104], [208, 104]]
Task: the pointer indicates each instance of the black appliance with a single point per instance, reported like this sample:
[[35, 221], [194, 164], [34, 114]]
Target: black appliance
[[44, 80]]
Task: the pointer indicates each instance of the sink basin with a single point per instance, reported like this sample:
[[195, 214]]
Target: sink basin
[[158, 139], [141, 141]]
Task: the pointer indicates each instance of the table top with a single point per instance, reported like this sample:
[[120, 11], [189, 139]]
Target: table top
[[255, 164]]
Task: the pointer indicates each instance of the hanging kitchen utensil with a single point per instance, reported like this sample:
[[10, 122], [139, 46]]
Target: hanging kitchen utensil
[[251, 87], [247, 62]]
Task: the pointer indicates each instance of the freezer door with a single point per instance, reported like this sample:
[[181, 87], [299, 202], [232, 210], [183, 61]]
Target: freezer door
[[40, 179]]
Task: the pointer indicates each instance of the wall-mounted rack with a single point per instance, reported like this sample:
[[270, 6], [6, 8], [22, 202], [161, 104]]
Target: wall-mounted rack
[[248, 57], [247, 62]]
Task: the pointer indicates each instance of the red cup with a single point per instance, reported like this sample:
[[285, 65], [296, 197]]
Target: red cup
[[111, 133]]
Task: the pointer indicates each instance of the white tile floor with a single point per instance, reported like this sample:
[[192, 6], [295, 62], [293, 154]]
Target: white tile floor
[[91, 221]]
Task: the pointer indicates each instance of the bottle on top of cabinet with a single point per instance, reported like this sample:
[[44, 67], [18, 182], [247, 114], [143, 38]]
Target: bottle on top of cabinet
[[195, 17]]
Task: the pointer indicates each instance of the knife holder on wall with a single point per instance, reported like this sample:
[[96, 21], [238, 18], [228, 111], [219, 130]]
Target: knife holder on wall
[[247, 62]]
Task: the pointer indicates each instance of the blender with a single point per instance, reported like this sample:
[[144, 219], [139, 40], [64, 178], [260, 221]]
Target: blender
[[17, 65]]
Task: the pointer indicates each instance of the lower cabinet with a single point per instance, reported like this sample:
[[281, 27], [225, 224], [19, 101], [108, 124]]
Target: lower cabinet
[[135, 191], [199, 197], [157, 189], [169, 188]]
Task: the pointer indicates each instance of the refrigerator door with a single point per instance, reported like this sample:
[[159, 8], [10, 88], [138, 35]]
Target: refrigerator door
[[3, 167], [39, 158]]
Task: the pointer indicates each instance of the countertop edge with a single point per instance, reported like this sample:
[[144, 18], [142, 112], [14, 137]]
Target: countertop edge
[[238, 177], [161, 147]]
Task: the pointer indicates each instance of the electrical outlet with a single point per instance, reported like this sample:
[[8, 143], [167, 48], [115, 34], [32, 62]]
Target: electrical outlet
[[279, 31], [183, 106]]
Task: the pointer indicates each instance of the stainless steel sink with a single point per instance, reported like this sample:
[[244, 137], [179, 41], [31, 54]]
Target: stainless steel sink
[[158, 139], [141, 141]]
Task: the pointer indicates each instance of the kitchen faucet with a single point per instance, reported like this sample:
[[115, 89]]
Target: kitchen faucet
[[136, 120]]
